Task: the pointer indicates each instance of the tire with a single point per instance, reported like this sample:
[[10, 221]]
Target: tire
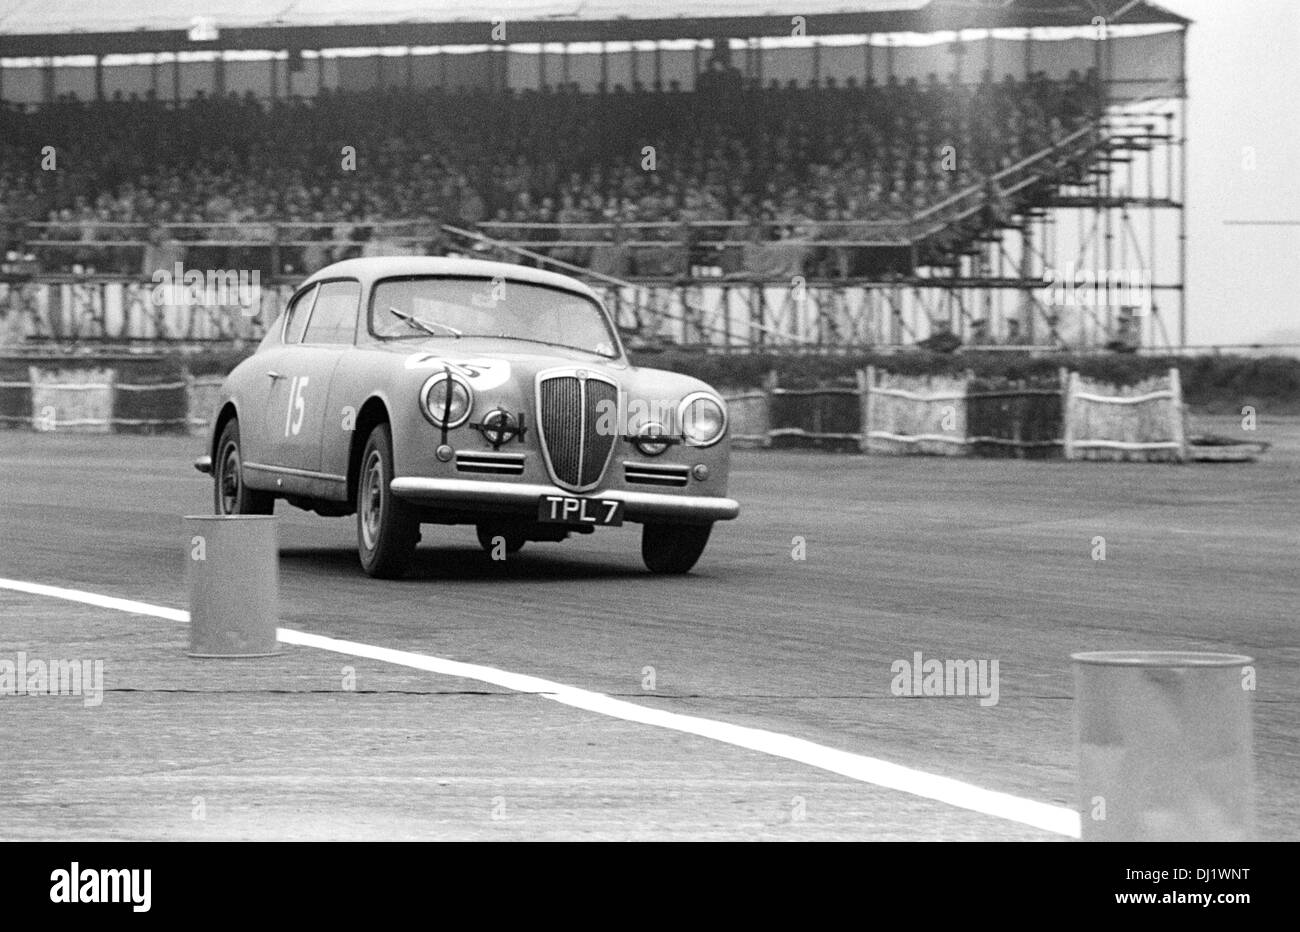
[[230, 496], [514, 537], [387, 528], [673, 548]]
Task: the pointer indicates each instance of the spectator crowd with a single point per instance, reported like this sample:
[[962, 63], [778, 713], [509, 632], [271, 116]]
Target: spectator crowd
[[765, 162]]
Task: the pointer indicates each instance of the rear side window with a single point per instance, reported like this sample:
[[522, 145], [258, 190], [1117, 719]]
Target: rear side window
[[298, 313], [334, 319]]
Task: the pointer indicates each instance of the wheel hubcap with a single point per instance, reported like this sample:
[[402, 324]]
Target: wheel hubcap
[[229, 481], [371, 505]]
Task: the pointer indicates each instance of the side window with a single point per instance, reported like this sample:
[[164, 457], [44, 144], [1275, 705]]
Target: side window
[[335, 318], [298, 313]]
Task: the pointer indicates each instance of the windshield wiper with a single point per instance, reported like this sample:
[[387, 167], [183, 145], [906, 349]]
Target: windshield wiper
[[425, 325], [580, 349]]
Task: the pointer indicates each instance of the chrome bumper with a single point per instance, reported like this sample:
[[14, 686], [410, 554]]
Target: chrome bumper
[[637, 506], [204, 465]]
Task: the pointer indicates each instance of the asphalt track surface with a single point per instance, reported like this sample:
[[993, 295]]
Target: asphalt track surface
[[956, 559]]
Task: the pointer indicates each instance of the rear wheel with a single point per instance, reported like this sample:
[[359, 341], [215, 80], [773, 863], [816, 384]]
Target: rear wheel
[[387, 528], [229, 494], [673, 548]]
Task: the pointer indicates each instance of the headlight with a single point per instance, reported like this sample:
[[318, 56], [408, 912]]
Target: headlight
[[703, 418], [446, 400], [644, 441]]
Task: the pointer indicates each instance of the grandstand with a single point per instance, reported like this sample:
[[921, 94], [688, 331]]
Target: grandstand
[[880, 173]]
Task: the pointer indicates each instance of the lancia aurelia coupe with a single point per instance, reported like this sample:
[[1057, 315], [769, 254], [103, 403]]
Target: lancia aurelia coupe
[[412, 391]]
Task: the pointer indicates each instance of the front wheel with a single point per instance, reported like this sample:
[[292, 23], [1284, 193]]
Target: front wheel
[[387, 529], [229, 494], [673, 548]]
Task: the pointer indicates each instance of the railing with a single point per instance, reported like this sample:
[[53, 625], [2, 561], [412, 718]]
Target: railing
[[124, 247], [633, 234], [1006, 183]]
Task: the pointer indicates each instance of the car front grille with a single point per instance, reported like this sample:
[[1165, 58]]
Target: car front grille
[[569, 407]]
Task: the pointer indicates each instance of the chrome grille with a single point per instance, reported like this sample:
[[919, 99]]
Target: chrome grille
[[598, 444], [656, 474], [569, 408], [505, 464]]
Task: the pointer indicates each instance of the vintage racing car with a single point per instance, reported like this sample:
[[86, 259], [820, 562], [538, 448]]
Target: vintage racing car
[[412, 390]]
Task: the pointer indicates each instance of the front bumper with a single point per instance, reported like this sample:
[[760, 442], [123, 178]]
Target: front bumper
[[204, 465], [523, 497]]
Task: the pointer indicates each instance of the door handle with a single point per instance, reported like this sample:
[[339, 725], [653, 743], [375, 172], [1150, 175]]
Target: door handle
[[274, 375]]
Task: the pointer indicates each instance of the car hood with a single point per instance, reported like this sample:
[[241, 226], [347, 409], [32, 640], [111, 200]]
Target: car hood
[[491, 363]]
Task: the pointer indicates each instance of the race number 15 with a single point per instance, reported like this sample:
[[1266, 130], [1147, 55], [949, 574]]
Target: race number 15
[[297, 406]]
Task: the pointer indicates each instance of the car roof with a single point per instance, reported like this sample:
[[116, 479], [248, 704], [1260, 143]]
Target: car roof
[[372, 268]]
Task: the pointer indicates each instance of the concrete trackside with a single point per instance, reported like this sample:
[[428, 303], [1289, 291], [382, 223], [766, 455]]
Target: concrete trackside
[[839, 569], [311, 745]]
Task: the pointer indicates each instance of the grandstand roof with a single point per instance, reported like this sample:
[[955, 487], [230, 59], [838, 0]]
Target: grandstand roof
[[73, 27], [46, 16]]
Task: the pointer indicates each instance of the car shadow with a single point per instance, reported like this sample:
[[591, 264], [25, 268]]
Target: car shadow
[[464, 564]]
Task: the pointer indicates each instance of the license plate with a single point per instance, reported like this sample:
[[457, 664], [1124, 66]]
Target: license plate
[[570, 509]]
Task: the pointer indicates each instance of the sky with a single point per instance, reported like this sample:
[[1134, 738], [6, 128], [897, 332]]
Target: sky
[[1243, 65]]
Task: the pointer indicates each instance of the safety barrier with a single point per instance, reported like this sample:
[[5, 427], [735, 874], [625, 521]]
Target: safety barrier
[[829, 416], [1023, 419], [882, 412], [749, 416], [1142, 421], [913, 414], [78, 398], [963, 415]]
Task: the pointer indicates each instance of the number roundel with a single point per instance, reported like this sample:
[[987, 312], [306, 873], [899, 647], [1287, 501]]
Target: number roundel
[[297, 410]]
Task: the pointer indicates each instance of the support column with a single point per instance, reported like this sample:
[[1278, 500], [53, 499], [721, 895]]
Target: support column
[[1027, 315], [1182, 207]]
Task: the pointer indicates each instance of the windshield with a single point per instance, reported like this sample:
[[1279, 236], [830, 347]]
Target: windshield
[[451, 308]]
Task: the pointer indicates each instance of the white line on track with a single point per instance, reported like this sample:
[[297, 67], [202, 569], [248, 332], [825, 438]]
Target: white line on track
[[1057, 819]]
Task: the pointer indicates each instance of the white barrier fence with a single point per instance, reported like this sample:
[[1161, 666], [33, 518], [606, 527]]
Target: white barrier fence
[[1137, 421], [958, 415], [885, 413]]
